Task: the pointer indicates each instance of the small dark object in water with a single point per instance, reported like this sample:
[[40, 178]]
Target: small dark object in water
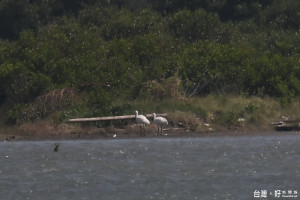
[[56, 147]]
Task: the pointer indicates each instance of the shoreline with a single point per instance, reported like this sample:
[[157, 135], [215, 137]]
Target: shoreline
[[222, 116], [115, 133]]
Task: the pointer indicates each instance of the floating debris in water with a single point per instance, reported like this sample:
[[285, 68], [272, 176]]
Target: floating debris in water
[[56, 147]]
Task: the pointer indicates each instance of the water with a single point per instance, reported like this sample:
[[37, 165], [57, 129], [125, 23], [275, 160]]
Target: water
[[154, 168]]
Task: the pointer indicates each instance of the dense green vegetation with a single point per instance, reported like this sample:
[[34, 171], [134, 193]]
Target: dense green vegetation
[[91, 58]]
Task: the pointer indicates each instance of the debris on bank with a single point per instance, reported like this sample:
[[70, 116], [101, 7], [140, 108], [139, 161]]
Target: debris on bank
[[287, 125]]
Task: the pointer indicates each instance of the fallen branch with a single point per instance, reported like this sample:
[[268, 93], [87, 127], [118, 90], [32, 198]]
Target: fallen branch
[[94, 119]]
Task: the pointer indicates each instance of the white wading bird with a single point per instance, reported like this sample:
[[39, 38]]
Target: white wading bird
[[160, 122], [142, 120]]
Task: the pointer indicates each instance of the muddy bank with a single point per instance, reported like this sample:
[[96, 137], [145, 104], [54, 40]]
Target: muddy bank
[[46, 131]]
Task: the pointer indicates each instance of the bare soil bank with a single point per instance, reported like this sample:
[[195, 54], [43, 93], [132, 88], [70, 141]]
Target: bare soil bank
[[47, 131]]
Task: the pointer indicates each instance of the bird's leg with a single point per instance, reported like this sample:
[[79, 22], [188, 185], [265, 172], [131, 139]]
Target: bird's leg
[[157, 130], [140, 130], [144, 129]]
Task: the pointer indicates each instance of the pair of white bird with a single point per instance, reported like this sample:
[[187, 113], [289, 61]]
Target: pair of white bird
[[142, 120]]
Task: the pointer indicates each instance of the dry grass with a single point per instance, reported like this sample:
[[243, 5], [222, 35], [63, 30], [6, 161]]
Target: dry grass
[[224, 112], [201, 115]]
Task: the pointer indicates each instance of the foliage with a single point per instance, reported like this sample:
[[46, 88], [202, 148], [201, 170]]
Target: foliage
[[197, 25], [122, 50], [164, 89]]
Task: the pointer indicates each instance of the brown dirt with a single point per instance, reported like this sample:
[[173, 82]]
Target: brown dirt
[[49, 131]]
